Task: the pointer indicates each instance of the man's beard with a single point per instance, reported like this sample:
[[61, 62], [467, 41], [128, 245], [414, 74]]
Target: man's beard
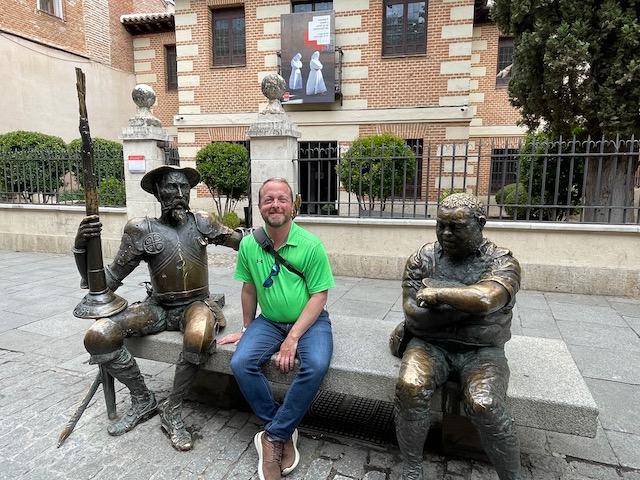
[[277, 223], [176, 212]]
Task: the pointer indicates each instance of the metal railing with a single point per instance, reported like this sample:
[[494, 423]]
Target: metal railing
[[55, 177], [171, 153], [588, 181]]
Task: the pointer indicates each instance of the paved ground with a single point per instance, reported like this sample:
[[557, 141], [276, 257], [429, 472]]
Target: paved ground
[[44, 374]]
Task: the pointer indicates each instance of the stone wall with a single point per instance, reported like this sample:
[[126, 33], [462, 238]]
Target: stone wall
[[590, 259], [52, 228], [593, 259]]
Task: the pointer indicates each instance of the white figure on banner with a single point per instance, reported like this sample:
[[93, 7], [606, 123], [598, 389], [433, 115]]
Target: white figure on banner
[[295, 79], [315, 82]]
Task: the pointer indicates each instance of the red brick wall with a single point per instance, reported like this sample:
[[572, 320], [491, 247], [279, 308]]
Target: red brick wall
[[227, 89], [166, 100], [121, 46], [413, 81], [496, 109], [147, 6], [90, 28], [22, 18]]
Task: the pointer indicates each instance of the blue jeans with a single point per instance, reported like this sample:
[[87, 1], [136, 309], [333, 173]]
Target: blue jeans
[[261, 340]]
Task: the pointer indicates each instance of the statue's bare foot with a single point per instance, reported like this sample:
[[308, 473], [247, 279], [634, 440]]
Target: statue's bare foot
[[172, 424], [142, 408]]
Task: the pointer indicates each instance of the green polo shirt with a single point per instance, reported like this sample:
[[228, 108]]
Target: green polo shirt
[[285, 299]]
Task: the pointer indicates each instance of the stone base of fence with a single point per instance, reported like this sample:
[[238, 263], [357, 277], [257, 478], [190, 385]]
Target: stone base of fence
[[573, 258]]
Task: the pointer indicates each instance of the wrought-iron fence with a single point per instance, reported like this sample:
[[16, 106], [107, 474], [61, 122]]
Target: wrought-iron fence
[[56, 177], [572, 180]]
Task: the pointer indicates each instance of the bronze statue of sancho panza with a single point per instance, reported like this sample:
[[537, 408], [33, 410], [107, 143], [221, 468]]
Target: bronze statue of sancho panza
[[174, 248], [458, 294]]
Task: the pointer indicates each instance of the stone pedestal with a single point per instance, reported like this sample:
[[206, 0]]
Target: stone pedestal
[[274, 144], [140, 145]]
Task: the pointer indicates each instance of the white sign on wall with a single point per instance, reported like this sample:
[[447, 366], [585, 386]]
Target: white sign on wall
[[136, 164]]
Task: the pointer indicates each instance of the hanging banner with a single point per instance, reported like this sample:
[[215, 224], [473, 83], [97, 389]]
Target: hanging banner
[[308, 56]]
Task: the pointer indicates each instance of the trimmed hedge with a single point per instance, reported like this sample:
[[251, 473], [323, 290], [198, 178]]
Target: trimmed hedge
[[376, 168], [224, 169]]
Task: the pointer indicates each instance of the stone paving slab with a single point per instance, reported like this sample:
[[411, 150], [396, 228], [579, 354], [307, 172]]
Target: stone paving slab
[[621, 366], [37, 394], [618, 404]]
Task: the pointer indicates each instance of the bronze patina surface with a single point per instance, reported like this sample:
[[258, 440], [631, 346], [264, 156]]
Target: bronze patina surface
[[458, 296], [174, 249]]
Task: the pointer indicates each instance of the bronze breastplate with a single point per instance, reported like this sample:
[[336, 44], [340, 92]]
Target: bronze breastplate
[[177, 259]]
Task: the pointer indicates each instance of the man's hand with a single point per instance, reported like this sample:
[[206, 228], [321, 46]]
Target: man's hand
[[286, 356], [89, 227], [427, 297], [230, 338]]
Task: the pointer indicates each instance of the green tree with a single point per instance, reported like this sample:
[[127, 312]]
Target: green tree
[[224, 168], [32, 164], [376, 168], [576, 71]]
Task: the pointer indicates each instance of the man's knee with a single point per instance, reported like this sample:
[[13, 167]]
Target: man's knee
[[198, 333], [242, 363], [104, 340], [316, 365]]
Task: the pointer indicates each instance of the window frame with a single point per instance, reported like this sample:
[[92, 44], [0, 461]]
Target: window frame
[[57, 8], [313, 5], [228, 14], [503, 42], [404, 53], [171, 81]]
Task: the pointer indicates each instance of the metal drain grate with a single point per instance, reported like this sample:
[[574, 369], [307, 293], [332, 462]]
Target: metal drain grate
[[356, 417]]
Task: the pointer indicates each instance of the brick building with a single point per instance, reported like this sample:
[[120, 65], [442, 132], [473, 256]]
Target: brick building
[[425, 71], [41, 41]]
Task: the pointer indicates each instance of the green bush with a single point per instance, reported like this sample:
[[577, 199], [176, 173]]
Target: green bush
[[224, 168], [535, 158], [507, 196], [376, 168], [71, 196], [111, 192], [231, 220], [31, 163], [20, 141], [107, 157]]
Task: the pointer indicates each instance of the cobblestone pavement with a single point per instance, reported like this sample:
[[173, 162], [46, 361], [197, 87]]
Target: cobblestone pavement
[[44, 375]]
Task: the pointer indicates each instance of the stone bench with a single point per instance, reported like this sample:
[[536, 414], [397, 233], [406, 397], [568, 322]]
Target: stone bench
[[546, 390]]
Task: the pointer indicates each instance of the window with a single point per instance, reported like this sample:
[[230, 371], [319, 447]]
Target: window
[[172, 67], [52, 7], [317, 177], [301, 6], [504, 167], [404, 30], [505, 61], [413, 188], [228, 36]]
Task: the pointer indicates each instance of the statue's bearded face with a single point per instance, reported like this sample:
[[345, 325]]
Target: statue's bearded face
[[173, 193], [459, 232]]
